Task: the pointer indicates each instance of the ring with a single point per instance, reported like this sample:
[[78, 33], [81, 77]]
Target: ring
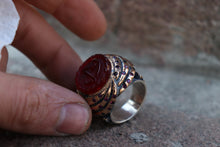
[[111, 86]]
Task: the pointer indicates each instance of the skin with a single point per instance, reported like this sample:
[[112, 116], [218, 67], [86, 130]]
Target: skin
[[34, 106]]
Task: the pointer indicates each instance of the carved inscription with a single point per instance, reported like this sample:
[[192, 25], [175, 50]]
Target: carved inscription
[[93, 74]]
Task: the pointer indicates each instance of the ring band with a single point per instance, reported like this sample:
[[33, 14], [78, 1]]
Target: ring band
[[111, 86]]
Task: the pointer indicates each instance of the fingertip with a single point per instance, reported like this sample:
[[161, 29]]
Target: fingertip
[[84, 18], [95, 29], [74, 119]]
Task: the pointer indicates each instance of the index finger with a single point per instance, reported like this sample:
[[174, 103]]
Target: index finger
[[83, 17]]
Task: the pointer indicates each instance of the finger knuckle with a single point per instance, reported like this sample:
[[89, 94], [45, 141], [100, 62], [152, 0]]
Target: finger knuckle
[[32, 108]]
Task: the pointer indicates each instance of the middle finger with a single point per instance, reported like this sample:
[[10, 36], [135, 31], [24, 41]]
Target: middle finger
[[83, 17]]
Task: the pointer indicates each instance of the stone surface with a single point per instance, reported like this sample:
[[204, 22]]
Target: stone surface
[[164, 128], [139, 137], [149, 26], [182, 109]]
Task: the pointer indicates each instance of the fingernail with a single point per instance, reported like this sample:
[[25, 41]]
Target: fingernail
[[73, 119]]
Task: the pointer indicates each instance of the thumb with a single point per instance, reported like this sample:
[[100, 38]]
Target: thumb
[[33, 106]]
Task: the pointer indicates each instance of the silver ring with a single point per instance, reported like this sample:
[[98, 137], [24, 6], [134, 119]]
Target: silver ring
[[111, 86]]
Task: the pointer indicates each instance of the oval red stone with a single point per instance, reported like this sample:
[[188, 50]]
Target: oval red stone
[[93, 74]]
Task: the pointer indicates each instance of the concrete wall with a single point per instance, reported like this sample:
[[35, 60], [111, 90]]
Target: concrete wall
[[153, 26]]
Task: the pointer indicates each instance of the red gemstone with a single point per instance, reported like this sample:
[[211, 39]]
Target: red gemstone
[[93, 74]]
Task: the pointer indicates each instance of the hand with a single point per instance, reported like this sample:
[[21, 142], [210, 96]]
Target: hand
[[35, 106]]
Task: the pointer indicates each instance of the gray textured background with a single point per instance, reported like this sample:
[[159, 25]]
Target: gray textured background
[[175, 45]]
